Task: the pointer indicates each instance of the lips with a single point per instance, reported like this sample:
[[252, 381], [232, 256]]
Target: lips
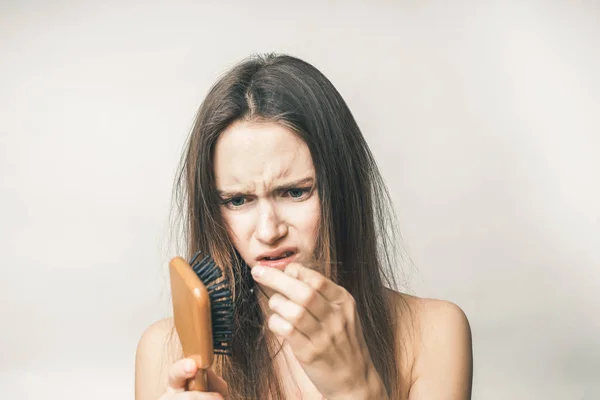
[[278, 258], [284, 255], [277, 253]]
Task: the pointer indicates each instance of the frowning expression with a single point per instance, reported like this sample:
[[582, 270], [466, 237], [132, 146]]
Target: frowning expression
[[266, 182]]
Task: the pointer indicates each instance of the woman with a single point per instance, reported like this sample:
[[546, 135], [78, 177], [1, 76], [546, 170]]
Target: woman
[[280, 186]]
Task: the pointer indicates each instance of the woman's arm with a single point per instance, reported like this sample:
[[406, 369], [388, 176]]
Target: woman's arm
[[443, 366]]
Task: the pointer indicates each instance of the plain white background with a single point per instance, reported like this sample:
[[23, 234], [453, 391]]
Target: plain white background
[[484, 117]]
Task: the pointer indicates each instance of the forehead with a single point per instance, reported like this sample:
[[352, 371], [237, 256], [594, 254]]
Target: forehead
[[257, 154]]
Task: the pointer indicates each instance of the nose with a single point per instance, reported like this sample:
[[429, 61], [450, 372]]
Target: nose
[[270, 228]]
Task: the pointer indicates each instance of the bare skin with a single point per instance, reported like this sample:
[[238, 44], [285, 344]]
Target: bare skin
[[266, 180], [436, 359]]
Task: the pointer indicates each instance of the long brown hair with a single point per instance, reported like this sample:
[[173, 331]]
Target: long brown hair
[[357, 235]]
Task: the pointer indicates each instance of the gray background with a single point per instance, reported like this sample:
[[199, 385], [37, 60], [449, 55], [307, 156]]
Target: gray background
[[484, 117]]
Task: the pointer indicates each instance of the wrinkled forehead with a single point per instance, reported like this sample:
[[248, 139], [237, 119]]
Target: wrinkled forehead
[[259, 155]]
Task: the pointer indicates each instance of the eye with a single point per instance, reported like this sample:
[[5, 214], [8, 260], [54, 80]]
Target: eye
[[234, 202], [297, 193]]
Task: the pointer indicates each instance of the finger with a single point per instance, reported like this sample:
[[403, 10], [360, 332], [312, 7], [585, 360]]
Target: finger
[[298, 316], [301, 345], [216, 383], [312, 278], [336, 328], [179, 372], [294, 289]]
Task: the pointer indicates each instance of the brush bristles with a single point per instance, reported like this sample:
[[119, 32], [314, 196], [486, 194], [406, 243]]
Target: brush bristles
[[220, 301]]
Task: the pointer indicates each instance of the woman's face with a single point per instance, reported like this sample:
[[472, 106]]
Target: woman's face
[[266, 182]]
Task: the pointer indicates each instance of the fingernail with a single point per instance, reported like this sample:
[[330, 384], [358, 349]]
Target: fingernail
[[257, 271], [189, 367]]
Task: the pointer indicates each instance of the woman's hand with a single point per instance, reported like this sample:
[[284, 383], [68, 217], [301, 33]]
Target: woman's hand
[[319, 321], [185, 369]]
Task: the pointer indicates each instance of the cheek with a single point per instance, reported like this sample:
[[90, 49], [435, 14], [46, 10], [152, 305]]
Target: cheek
[[310, 218], [239, 226]]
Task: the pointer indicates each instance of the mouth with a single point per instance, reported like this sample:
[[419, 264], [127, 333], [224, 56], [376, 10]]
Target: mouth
[[284, 255], [277, 260]]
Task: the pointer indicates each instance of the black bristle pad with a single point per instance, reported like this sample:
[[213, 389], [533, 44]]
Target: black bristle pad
[[193, 260], [220, 293], [207, 270], [220, 300]]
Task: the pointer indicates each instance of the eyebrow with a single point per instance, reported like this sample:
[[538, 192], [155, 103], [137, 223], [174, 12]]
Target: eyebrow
[[283, 187]]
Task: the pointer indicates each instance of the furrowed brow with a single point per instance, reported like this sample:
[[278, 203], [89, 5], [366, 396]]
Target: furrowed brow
[[294, 184], [224, 194], [286, 186]]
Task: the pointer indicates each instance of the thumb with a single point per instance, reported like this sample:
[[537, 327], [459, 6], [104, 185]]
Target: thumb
[[179, 373], [216, 383]]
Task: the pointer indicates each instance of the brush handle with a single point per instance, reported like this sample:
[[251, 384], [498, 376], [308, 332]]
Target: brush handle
[[199, 382]]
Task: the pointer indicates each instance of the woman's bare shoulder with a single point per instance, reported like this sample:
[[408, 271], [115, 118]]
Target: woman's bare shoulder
[[157, 348], [438, 335], [158, 329], [160, 337]]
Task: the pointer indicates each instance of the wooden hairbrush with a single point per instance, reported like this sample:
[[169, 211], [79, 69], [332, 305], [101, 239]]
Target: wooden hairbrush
[[202, 312]]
